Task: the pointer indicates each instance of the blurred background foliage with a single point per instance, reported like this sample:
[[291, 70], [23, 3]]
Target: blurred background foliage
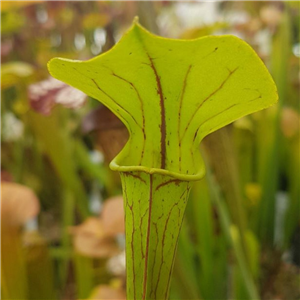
[[61, 211]]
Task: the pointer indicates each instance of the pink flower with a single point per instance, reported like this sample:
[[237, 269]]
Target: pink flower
[[44, 95]]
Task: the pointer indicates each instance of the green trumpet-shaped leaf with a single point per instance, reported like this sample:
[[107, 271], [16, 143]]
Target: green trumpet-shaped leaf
[[169, 94]]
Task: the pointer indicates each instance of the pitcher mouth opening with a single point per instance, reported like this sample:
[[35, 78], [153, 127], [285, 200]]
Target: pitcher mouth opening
[[177, 175]]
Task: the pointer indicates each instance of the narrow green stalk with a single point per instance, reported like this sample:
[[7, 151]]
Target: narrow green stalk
[[269, 127], [38, 262], [13, 269], [84, 276], [234, 239], [223, 159], [56, 145], [201, 214], [67, 221], [292, 219], [84, 161]]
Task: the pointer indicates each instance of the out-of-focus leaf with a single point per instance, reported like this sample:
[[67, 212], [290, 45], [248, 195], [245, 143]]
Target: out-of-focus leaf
[[234, 237], [84, 274], [94, 20], [66, 16], [13, 72], [56, 144], [243, 139], [253, 252], [113, 216], [220, 151], [185, 271], [94, 169], [10, 5], [292, 164], [38, 262], [253, 193], [11, 21], [290, 122], [203, 31], [243, 123], [269, 135], [200, 216], [253, 260]]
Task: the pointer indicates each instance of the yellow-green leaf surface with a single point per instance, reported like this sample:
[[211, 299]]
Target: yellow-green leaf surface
[[152, 230], [170, 94], [13, 72]]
